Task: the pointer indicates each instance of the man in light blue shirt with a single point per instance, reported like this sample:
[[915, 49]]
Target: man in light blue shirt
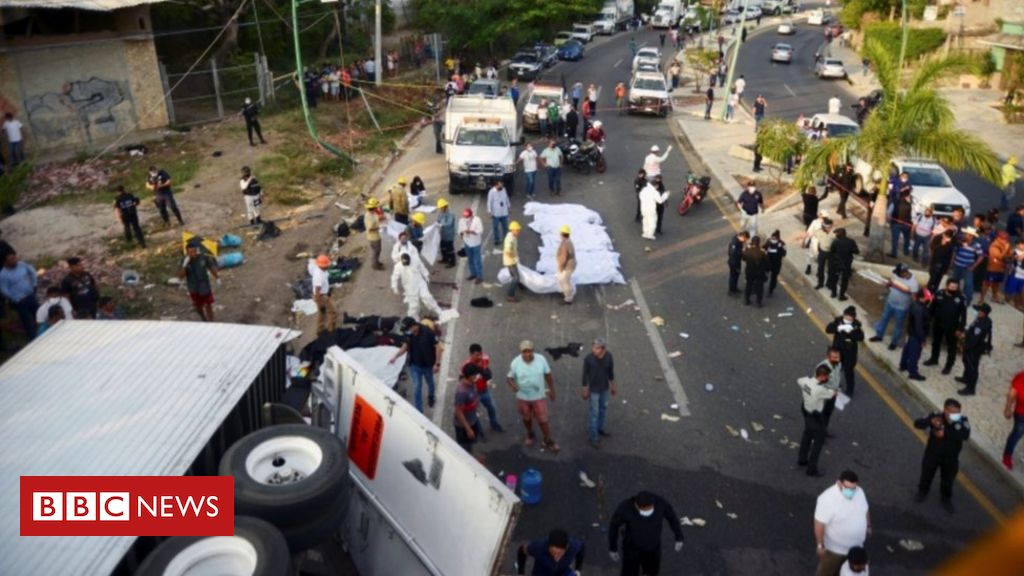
[[551, 157], [529, 377], [497, 206], [902, 287], [18, 284]]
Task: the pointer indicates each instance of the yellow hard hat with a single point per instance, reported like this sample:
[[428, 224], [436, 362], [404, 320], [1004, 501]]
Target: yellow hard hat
[[402, 181], [419, 218], [514, 226], [1012, 160], [564, 229], [442, 203], [372, 203]]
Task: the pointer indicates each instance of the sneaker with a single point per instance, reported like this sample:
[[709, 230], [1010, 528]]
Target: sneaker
[[946, 371], [960, 379], [843, 298], [807, 270], [948, 506], [917, 377], [1008, 461], [604, 434], [431, 401], [875, 339], [965, 392], [893, 346], [931, 362]]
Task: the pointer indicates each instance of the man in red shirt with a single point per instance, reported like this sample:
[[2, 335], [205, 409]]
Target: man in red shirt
[[482, 380], [1014, 409]]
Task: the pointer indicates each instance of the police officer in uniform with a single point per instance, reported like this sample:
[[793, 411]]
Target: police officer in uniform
[[949, 315], [841, 268], [977, 341], [251, 113], [947, 432], [736, 245], [776, 249], [126, 209], [846, 335], [757, 271]]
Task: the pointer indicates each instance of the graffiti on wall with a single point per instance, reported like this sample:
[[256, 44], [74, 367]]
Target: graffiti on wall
[[82, 111]]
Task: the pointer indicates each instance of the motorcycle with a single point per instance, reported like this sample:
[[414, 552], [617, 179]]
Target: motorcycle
[[583, 156], [696, 190]]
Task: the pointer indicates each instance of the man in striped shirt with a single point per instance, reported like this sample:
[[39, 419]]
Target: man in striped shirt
[[967, 256]]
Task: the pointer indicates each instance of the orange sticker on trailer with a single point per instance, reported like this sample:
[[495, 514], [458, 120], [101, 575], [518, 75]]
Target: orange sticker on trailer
[[365, 437]]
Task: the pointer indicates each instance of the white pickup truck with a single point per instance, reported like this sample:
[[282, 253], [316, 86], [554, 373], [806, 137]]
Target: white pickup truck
[[480, 137]]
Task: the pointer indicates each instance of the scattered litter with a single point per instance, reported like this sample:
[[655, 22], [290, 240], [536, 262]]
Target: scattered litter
[[890, 549], [595, 525], [734, 328], [744, 434], [709, 387], [841, 401], [793, 445], [669, 417], [732, 430], [684, 335], [789, 308], [306, 306], [674, 406], [343, 206], [585, 481], [624, 402], [487, 285], [130, 278], [718, 503], [554, 316], [732, 515], [658, 321], [625, 304], [808, 310], [174, 281], [757, 427], [685, 521], [776, 417], [675, 354], [699, 522], [784, 440], [767, 320], [302, 255], [855, 444], [647, 249], [911, 545], [767, 335], [148, 286], [784, 314]]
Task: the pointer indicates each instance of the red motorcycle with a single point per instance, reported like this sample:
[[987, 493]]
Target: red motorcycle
[[696, 190]]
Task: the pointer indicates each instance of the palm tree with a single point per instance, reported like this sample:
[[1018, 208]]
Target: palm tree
[[914, 121]]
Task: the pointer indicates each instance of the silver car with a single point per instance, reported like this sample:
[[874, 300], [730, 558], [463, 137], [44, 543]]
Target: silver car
[[830, 68], [782, 53]]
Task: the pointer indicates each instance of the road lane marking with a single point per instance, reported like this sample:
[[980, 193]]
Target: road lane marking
[[671, 378], [790, 90], [875, 385], [441, 383], [616, 65]]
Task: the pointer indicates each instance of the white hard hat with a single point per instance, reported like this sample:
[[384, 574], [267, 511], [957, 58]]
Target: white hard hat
[[597, 124], [248, 100], [574, 148], [655, 148]]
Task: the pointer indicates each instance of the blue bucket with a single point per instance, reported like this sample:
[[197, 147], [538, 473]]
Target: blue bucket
[[230, 260], [230, 241], [530, 486]]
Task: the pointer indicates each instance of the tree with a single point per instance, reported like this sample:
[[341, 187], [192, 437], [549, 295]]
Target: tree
[[702, 62], [780, 141], [914, 121]]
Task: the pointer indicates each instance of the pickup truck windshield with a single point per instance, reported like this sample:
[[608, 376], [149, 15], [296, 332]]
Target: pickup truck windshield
[[649, 84], [471, 137], [930, 177]]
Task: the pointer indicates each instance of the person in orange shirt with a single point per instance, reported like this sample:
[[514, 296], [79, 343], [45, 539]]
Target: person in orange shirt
[[620, 97], [995, 270]]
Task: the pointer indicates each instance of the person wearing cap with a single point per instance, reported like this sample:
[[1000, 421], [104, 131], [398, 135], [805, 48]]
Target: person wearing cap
[[565, 262], [556, 555], [372, 219], [947, 432], [398, 201], [252, 193], [510, 259], [467, 420], [756, 271], [840, 267], [639, 519], [529, 377], [54, 297], [419, 219], [948, 311], [967, 256], [424, 351], [847, 333], [410, 276], [446, 225], [1009, 175], [482, 381], [856, 563], [81, 289], [326, 316], [126, 210], [498, 205], [650, 199], [902, 286], [775, 248], [652, 162], [551, 158], [598, 384], [977, 341], [999, 253], [821, 245], [471, 229], [943, 247], [251, 113], [196, 269], [842, 520], [917, 335]]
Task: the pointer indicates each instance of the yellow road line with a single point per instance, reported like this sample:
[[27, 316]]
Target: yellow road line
[[889, 401]]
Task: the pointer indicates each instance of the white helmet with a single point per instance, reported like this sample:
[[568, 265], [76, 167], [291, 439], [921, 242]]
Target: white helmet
[[597, 124], [574, 149], [655, 148]]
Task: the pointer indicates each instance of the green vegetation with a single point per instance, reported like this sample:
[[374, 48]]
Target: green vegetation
[[912, 120], [701, 61], [919, 41], [780, 140], [12, 184]]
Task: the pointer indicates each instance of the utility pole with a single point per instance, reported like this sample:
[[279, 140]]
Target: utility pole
[[906, 33], [736, 53], [378, 66]]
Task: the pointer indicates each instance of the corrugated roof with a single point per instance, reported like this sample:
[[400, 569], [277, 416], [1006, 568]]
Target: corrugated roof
[[98, 5], [114, 398]]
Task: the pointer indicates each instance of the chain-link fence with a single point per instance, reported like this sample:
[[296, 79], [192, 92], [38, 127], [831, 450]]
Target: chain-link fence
[[211, 92]]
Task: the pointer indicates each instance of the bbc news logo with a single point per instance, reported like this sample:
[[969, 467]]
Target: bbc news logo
[[127, 506]]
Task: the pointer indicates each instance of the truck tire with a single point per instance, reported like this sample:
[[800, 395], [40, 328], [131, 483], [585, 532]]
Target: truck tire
[[256, 549], [309, 532], [286, 473]]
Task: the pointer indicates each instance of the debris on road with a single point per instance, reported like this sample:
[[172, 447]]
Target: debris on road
[[625, 304], [709, 387], [734, 328], [911, 545], [732, 431], [658, 321], [744, 434], [757, 427], [784, 314], [675, 354], [718, 503], [674, 406], [776, 416], [687, 521], [669, 417], [585, 480], [684, 335], [732, 515]]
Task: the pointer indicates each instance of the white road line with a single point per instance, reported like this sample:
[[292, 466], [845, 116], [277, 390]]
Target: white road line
[[790, 90], [674, 385], [617, 63], [441, 378]]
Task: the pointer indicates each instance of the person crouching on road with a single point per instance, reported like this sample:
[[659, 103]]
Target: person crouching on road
[[326, 316], [565, 260], [640, 519], [413, 282], [252, 192]]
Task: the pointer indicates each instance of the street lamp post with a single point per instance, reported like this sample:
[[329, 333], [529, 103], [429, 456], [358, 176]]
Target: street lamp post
[[378, 65], [903, 40], [735, 54]]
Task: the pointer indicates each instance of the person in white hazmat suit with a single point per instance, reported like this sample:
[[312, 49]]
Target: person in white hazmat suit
[[649, 200], [413, 282]]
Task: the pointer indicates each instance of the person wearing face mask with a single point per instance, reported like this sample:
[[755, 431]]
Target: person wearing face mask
[[556, 555], [815, 393], [977, 341], [917, 335], [750, 204], [842, 521], [409, 276], [949, 316], [847, 334], [947, 432], [159, 181], [640, 518], [835, 376], [776, 250], [856, 562]]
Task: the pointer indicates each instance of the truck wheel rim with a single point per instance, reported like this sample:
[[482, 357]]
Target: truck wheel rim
[[215, 556], [283, 460]]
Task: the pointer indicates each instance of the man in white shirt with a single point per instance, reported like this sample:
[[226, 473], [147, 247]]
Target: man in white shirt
[[498, 206], [528, 158], [471, 230], [53, 298], [841, 521], [740, 85], [326, 317], [652, 162], [12, 127], [834, 105]]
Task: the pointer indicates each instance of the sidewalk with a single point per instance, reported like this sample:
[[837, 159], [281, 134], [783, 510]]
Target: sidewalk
[[715, 139]]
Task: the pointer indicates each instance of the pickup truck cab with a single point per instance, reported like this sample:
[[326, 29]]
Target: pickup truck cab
[[583, 32], [931, 185], [481, 135], [648, 93], [525, 65]]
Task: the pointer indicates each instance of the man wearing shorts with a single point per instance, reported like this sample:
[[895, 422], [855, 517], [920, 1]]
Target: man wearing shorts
[[529, 377], [195, 270]]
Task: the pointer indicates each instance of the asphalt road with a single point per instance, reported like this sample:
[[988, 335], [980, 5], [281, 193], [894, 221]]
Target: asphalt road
[[793, 89], [751, 357]]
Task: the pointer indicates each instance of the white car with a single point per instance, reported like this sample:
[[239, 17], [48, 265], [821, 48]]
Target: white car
[[583, 32], [787, 28], [648, 54], [931, 186], [830, 68], [735, 15], [835, 124], [782, 53]]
